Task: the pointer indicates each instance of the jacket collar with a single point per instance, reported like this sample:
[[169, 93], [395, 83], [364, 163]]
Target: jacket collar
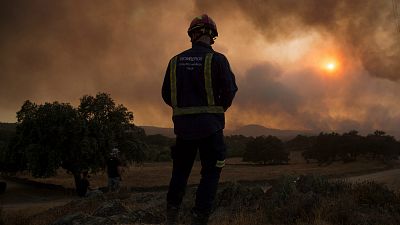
[[200, 44]]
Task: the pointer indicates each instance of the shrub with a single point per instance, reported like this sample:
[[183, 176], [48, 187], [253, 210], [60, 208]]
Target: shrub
[[1, 217], [314, 200], [305, 199]]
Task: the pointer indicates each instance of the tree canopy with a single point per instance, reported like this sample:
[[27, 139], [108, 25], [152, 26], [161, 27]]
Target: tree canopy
[[54, 135], [328, 147], [266, 150]]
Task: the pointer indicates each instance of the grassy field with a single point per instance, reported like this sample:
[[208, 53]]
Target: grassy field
[[150, 175], [308, 200]]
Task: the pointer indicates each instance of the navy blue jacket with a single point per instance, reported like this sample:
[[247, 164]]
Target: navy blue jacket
[[191, 91]]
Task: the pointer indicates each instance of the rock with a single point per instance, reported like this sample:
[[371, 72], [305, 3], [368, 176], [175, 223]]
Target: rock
[[111, 208], [84, 219], [151, 216], [123, 219], [145, 198], [98, 221], [73, 219], [94, 194], [236, 196], [88, 202]]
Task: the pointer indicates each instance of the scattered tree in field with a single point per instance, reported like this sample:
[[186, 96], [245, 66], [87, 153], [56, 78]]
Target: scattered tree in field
[[300, 143], [324, 148], [46, 134], [266, 150], [55, 135], [7, 132], [348, 146], [236, 145], [158, 147], [383, 146], [351, 146]]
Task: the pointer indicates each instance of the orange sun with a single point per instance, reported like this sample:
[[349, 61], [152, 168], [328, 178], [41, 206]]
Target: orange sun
[[327, 61], [330, 66]]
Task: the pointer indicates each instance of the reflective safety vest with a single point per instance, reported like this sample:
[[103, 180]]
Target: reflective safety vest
[[211, 107]]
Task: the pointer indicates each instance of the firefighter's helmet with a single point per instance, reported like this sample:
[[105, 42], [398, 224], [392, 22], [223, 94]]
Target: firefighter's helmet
[[114, 152], [204, 24]]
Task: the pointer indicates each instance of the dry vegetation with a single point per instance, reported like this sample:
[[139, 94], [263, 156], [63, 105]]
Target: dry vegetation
[[308, 200], [35, 216], [148, 175], [330, 209]]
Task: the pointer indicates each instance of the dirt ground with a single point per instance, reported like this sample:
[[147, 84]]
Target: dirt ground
[[149, 175], [24, 198], [391, 178]]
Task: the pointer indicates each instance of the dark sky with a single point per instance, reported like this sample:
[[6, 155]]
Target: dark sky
[[61, 50]]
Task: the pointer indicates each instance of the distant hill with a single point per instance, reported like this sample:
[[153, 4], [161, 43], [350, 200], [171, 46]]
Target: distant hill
[[8, 126], [258, 130], [7, 131], [151, 130], [248, 130]]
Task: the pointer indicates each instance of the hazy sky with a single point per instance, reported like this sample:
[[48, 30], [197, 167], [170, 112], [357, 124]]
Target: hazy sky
[[279, 50]]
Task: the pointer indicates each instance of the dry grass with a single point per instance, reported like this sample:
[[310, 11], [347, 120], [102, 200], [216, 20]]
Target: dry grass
[[310, 200], [388, 177], [21, 216], [240, 218], [158, 174], [256, 218], [47, 215]]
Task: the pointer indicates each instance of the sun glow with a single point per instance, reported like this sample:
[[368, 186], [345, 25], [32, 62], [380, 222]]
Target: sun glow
[[327, 58], [330, 66]]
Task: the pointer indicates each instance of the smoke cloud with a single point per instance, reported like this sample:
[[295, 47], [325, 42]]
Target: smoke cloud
[[365, 34], [366, 27], [61, 50]]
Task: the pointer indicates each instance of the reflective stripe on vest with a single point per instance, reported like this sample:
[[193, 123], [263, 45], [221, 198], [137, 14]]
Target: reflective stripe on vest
[[210, 108], [172, 77], [197, 109], [220, 164], [207, 79]]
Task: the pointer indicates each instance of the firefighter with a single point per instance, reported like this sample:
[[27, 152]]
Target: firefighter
[[114, 171], [199, 86]]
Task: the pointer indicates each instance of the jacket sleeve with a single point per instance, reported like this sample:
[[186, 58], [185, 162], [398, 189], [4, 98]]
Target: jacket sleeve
[[227, 87], [166, 88]]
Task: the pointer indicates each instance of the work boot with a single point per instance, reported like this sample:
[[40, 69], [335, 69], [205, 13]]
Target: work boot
[[199, 218], [172, 215]]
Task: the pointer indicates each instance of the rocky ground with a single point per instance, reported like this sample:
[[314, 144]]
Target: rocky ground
[[300, 200], [144, 208], [294, 200]]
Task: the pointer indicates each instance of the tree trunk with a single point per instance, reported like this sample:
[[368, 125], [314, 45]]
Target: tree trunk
[[3, 187], [77, 178]]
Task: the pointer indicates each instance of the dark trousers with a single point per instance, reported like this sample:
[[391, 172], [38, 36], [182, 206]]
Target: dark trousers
[[212, 152]]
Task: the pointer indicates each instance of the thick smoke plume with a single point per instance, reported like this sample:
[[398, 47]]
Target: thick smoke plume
[[366, 27], [62, 50], [363, 98]]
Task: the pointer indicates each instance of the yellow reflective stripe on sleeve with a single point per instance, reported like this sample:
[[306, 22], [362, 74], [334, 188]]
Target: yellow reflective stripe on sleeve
[[172, 80], [220, 164], [197, 110], [208, 80]]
